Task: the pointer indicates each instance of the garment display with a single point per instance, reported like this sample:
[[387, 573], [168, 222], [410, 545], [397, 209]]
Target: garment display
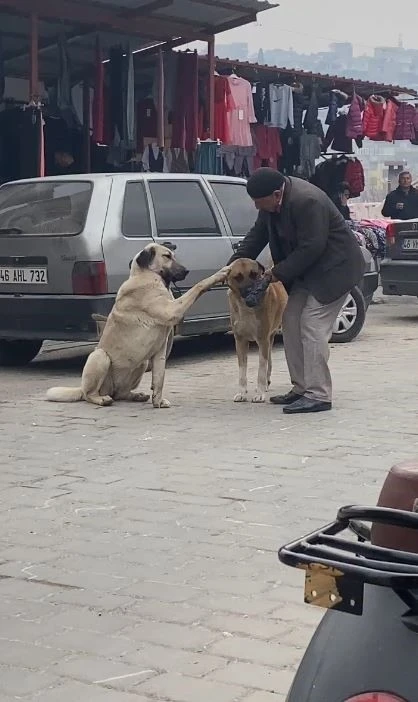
[[261, 100], [268, 147], [146, 122], [372, 235], [224, 103], [281, 106], [153, 159], [242, 114], [299, 106], [389, 119], [176, 160], [208, 158], [339, 169], [406, 121], [311, 116], [237, 160], [355, 118], [336, 137], [310, 151], [98, 98], [374, 113], [186, 104]]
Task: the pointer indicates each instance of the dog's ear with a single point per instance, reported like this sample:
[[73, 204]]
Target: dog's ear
[[261, 268], [146, 257]]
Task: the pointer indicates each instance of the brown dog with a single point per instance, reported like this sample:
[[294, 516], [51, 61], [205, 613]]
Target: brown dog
[[259, 324]]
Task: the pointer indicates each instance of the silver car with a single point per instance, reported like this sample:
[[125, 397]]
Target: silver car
[[66, 244]]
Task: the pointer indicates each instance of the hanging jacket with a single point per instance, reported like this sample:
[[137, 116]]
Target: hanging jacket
[[405, 122], [312, 112], [374, 113], [354, 118], [299, 105], [336, 100], [336, 136], [389, 120], [354, 176]]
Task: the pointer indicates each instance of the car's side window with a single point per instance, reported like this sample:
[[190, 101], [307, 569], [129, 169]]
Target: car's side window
[[135, 214], [237, 205], [182, 209]]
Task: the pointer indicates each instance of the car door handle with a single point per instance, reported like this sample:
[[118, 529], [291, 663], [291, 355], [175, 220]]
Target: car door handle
[[169, 245]]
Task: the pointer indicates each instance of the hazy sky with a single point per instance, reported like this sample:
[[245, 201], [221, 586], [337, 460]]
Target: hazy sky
[[306, 25]]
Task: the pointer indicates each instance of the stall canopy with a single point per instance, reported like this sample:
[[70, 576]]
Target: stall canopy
[[146, 25]]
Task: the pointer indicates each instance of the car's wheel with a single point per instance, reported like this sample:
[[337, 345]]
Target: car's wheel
[[18, 352], [170, 343], [350, 319]]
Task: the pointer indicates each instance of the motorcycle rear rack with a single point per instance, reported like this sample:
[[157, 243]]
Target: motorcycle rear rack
[[336, 569]]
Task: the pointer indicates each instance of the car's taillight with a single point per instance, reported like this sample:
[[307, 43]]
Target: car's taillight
[[376, 697], [89, 278], [390, 234]]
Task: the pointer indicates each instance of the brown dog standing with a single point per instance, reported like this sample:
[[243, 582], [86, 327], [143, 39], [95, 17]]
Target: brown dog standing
[[259, 324]]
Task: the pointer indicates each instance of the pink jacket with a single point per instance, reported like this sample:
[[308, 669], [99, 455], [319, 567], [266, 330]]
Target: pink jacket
[[389, 120], [354, 120]]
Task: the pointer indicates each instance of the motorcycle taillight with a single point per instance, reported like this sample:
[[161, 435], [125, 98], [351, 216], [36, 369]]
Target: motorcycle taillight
[[376, 697]]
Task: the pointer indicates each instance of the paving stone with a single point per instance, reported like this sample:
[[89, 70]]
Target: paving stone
[[133, 539], [183, 689]]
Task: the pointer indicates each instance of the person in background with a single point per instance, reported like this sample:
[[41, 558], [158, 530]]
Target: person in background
[[341, 199], [402, 203], [317, 258]]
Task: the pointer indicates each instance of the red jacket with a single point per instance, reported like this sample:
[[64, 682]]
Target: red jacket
[[389, 120], [354, 176], [405, 122], [373, 117]]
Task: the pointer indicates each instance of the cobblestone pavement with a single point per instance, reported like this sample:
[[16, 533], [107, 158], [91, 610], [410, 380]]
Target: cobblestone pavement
[[138, 547]]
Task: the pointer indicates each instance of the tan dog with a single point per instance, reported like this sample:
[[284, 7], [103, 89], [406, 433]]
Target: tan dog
[[259, 324], [137, 331]]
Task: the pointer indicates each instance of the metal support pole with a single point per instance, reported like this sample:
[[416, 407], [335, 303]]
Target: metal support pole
[[34, 65], [86, 127], [161, 89], [211, 86]]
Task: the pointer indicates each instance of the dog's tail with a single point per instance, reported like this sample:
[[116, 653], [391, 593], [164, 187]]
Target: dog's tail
[[64, 395]]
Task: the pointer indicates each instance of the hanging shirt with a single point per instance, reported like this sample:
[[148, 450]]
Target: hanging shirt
[[281, 106], [242, 114]]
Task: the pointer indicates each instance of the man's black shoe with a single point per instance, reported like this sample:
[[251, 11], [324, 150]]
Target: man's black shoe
[[305, 405], [285, 399]]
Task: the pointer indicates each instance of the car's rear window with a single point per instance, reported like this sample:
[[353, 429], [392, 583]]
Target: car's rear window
[[44, 208]]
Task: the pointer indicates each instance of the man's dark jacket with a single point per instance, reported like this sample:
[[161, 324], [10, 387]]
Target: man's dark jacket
[[310, 243], [409, 200]]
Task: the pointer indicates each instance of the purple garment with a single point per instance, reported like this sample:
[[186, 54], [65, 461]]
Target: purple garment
[[405, 122], [354, 118], [186, 103]]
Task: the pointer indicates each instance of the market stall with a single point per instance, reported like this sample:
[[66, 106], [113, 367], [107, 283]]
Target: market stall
[[68, 93]]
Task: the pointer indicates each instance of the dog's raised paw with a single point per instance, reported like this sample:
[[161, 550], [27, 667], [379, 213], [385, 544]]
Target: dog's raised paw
[[259, 399], [240, 397], [140, 397], [163, 404]]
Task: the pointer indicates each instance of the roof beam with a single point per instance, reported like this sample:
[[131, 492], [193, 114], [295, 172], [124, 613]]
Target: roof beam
[[100, 17], [149, 7]]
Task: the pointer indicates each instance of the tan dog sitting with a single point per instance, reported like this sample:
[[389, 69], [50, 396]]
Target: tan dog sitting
[[259, 324], [136, 332]]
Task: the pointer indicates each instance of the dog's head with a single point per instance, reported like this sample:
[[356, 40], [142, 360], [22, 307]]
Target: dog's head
[[160, 260], [242, 276]]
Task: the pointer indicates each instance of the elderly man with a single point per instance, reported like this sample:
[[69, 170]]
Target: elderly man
[[402, 203], [319, 261]]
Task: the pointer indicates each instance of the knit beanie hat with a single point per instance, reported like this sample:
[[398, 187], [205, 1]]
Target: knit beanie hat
[[264, 182]]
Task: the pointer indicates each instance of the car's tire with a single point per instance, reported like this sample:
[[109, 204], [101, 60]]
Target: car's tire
[[18, 352], [351, 318], [170, 343]]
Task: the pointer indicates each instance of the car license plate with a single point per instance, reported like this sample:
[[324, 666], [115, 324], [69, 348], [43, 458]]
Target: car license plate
[[24, 276], [410, 244]]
